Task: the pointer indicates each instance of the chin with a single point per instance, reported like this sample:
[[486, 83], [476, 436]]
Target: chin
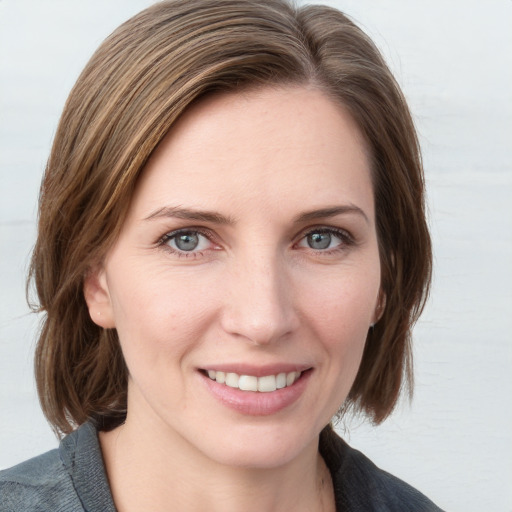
[[261, 447]]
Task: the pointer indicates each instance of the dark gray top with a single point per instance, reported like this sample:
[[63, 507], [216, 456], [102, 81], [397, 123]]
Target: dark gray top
[[72, 478]]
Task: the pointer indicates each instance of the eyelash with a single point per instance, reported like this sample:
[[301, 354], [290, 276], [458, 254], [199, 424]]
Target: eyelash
[[347, 240], [163, 242]]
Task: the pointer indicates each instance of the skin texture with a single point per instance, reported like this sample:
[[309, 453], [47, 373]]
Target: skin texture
[[253, 295]]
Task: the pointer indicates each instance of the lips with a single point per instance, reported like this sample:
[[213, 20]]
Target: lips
[[264, 384], [257, 391]]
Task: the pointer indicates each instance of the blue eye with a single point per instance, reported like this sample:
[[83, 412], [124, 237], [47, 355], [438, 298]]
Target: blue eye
[[324, 239], [319, 240], [187, 241]]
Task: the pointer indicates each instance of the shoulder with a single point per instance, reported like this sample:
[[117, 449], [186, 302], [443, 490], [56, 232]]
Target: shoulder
[[360, 485], [69, 479], [41, 483]]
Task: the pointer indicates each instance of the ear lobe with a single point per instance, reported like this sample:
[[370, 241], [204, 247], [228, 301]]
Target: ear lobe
[[379, 308], [97, 297]]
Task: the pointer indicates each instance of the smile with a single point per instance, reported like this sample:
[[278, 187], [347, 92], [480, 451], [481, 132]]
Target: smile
[[264, 384]]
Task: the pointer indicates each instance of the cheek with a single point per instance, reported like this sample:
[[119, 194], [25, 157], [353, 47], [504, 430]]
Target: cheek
[[343, 306], [340, 313], [157, 313]]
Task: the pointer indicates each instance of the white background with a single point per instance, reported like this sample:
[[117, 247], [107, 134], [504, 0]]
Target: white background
[[453, 59]]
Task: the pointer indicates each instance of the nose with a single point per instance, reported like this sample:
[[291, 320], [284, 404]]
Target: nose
[[259, 300]]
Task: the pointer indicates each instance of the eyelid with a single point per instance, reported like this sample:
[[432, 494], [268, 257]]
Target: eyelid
[[347, 239], [340, 232], [189, 229], [207, 233]]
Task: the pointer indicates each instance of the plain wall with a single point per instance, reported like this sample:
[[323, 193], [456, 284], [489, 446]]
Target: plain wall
[[454, 62]]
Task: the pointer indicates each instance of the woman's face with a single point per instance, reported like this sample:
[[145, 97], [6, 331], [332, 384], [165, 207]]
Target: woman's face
[[248, 260]]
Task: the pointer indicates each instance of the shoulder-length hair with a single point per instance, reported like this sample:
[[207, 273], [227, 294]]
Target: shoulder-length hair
[[132, 91]]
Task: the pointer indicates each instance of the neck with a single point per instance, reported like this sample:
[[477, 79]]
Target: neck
[[160, 471]]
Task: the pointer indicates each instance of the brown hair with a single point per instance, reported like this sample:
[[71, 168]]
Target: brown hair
[[140, 80]]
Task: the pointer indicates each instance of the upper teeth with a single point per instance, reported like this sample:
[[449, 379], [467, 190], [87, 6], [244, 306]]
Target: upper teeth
[[250, 383]]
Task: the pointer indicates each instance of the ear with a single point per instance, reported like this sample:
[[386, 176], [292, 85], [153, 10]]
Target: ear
[[379, 307], [97, 297]]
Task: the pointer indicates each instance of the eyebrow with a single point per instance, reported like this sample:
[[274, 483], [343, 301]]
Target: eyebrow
[[189, 214], [217, 218], [332, 211]]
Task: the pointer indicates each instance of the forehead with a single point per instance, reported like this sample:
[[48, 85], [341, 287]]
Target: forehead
[[285, 145]]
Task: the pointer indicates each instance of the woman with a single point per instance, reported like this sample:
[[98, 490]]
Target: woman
[[232, 249]]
